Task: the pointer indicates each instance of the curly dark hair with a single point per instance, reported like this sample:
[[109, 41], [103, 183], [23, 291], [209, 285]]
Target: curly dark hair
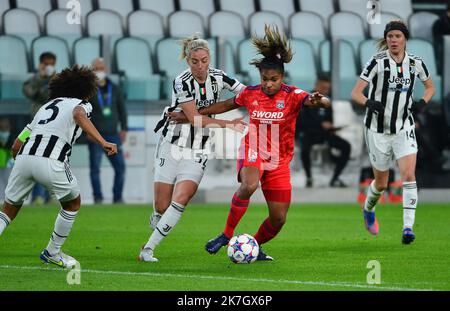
[[75, 82], [274, 47]]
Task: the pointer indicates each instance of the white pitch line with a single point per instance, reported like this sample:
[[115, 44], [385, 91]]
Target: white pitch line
[[222, 278]]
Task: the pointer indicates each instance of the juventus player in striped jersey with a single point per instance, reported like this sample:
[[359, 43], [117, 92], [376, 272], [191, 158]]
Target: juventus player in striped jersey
[[181, 154], [42, 153], [389, 120]]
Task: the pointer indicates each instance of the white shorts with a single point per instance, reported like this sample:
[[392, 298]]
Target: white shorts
[[173, 164], [56, 176], [382, 147]]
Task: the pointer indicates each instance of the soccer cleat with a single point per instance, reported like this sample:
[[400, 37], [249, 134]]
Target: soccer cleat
[[408, 236], [371, 222], [213, 246], [61, 260], [263, 256], [154, 219], [146, 255]]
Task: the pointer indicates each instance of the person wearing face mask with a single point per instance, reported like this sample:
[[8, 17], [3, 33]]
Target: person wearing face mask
[[108, 113], [36, 90]]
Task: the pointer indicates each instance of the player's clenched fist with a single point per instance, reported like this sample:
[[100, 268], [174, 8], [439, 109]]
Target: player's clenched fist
[[110, 148]]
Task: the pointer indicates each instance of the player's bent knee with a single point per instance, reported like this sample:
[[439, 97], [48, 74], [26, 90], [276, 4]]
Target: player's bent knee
[[249, 187], [72, 205]]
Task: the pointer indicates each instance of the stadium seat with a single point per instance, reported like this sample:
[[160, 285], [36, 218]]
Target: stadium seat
[[356, 6], [367, 49], [105, 23], [4, 6], [39, 7], [85, 6], [376, 31], [302, 70], [147, 25], [168, 58], [325, 56], [402, 8], [285, 8], [218, 27], [203, 7], [85, 50], [348, 26], [244, 8], [308, 26], [13, 67], [425, 50], [247, 52], [259, 19], [163, 8], [229, 64], [325, 9], [122, 7], [348, 73], [185, 23], [13, 25], [51, 44], [421, 25], [133, 57], [56, 25]]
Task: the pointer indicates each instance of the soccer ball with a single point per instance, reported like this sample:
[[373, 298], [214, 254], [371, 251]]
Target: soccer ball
[[243, 248]]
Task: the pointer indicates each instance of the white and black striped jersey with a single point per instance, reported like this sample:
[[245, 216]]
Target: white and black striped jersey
[[53, 129], [392, 84], [185, 89]]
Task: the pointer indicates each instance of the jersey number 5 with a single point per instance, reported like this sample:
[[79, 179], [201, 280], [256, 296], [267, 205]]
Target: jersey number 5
[[55, 110]]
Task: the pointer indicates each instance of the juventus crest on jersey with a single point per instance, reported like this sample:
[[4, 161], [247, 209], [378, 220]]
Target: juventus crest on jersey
[[392, 84], [53, 129], [186, 88]]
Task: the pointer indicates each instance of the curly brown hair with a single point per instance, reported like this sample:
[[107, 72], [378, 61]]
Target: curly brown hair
[[76, 82], [275, 48]]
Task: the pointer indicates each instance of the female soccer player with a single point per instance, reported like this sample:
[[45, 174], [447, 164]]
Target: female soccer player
[[268, 147], [389, 120], [42, 153], [182, 151]]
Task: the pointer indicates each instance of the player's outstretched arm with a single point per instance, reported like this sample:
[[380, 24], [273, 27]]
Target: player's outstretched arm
[[80, 117], [317, 100], [217, 108], [196, 119]]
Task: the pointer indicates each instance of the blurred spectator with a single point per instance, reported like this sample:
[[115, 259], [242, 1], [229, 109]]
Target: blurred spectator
[[5, 153], [441, 28], [315, 126], [36, 90], [108, 111]]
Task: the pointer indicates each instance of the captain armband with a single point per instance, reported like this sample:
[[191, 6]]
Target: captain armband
[[24, 134]]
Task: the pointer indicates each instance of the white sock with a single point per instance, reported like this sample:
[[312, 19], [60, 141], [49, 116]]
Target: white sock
[[165, 225], [372, 197], [63, 225], [409, 203], [4, 222]]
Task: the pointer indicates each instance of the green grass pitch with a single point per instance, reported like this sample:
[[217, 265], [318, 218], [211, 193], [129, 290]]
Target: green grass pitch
[[321, 247]]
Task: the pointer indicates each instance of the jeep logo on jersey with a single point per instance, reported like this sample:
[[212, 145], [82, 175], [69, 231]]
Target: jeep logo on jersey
[[204, 103], [280, 104], [267, 115], [398, 80]]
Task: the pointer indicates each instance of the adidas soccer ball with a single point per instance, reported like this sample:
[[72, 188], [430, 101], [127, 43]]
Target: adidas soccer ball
[[243, 248]]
